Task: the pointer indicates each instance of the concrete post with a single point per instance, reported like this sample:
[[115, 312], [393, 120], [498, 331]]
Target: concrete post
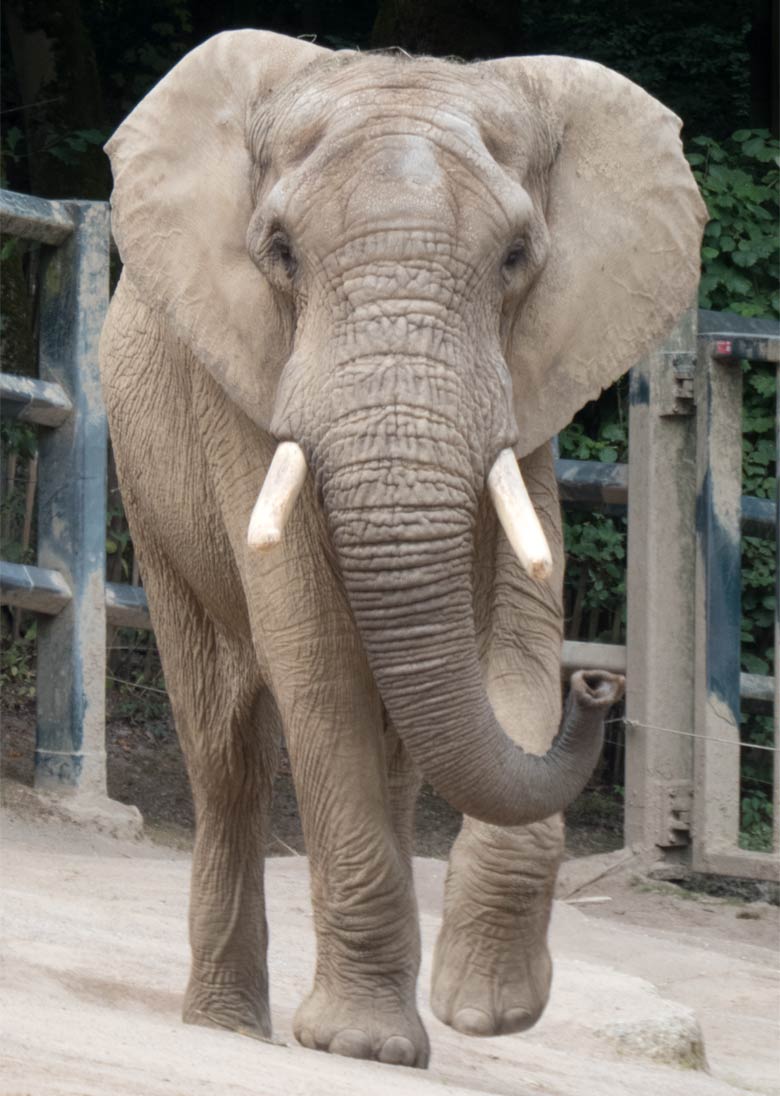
[[718, 602], [70, 750], [661, 559]]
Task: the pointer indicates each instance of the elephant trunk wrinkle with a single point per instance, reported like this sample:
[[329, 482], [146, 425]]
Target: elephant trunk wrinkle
[[411, 595]]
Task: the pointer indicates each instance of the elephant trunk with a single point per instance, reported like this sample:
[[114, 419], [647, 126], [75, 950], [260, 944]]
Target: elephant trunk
[[402, 527]]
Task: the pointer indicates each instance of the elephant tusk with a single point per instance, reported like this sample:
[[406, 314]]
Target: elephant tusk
[[518, 517], [282, 485]]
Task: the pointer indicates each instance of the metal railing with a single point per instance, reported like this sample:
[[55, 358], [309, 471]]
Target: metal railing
[[681, 490]]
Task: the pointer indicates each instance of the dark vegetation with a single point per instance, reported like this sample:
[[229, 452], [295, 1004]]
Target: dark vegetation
[[72, 70]]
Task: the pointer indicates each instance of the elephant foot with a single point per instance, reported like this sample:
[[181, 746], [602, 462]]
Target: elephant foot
[[227, 1006], [374, 1025], [492, 970], [489, 983]]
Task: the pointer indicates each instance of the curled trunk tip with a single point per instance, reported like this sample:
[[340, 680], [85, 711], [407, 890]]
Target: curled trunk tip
[[597, 688]]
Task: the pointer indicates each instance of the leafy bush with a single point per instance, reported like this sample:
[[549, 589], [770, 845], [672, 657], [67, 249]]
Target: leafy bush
[[739, 180], [17, 663], [596, 542], [756, 822]]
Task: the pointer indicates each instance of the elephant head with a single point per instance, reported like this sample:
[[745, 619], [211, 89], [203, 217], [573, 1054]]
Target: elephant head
[[405, 269]]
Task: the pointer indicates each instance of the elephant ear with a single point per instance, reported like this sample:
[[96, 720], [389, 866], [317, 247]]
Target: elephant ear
[[182, 202], [625, 220]]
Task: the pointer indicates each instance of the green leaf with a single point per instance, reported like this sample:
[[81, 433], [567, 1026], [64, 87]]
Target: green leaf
[[753, 664], [91, 136]]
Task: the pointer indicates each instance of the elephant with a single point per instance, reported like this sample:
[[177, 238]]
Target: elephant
[[361, 292]]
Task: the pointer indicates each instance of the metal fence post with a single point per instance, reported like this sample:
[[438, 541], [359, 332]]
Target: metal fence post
[[660, 581], [70, 751]]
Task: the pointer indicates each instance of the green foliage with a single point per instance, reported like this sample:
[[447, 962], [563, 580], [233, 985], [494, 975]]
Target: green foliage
[[596, 562], [691, 56], [17, 663], [154, 37], [756, 822], [595, 542], [19, 439], [759, 478], [119, 545], [64, 145], [739, 179]]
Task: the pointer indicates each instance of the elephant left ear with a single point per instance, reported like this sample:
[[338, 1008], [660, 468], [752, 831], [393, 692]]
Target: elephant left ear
[[625, 220]]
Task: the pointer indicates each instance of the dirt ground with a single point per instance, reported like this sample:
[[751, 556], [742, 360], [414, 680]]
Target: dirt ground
[[146, 769], [653, 993]]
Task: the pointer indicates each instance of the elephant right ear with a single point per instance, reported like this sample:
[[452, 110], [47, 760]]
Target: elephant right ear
[[625, 221], [182, 202]]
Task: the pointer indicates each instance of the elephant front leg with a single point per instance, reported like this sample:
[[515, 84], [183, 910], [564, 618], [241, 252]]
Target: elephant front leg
[[362, 1003], [228, 728], [228, 984], [492, 969]]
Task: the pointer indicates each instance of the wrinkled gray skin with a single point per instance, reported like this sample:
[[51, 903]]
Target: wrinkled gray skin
[[393, 632]]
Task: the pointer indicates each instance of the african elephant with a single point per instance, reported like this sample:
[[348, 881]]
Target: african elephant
[[413, 272]]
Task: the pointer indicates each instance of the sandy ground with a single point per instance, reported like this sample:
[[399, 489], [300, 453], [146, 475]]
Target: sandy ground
[[95, 959]]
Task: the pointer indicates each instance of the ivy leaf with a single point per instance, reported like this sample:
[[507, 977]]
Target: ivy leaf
[[753, 664]]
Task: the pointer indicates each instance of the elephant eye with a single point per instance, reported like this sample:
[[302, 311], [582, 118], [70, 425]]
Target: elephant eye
[[515, 257], [280, 251]]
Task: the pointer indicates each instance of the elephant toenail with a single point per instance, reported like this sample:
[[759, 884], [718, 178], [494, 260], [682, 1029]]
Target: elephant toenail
[[518, 1019], [398, 1051], [306, 1038], [473, 1021], [351, 1043]]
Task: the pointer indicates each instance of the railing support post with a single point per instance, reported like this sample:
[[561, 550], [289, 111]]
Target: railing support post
[[718, 602], [70, 751], [660, 581]]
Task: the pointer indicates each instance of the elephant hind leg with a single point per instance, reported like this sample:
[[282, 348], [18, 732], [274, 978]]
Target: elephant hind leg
[[229, 731]]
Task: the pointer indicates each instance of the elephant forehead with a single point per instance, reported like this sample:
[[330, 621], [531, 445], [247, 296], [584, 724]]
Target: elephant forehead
[[412, 159], [348, 99]]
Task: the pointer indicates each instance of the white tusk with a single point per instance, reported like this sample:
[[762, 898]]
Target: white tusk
[[518, 517], [281, 487]]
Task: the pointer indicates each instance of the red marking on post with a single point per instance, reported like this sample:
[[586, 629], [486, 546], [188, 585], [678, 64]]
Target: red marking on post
[[723, 347]]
